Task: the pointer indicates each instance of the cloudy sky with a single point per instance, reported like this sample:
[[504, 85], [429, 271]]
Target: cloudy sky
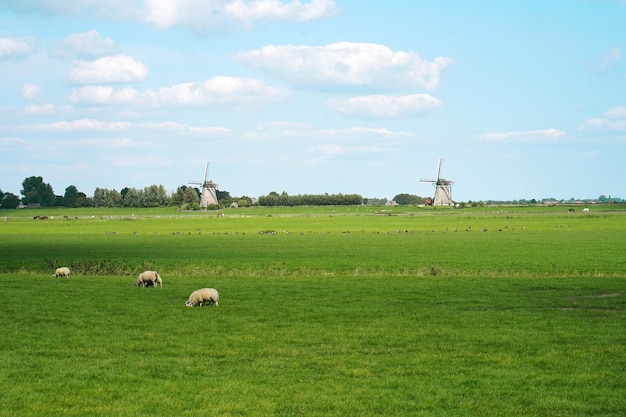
[[522, 99]]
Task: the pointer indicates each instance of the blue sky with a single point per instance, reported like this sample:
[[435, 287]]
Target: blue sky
[[522, 100]]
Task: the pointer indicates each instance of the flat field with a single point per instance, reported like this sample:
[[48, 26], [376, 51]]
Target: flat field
[[323, 311]]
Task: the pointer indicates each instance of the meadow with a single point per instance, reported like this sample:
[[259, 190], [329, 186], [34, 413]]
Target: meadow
[[334, 311]]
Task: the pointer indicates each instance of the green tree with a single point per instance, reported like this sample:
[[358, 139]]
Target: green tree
[[190, 196], [223, 198], [284, 199], [185, 197], [83, 201], [71, 194], [132, 197], [155, 196], [103, 197], [406, 199], [35, 190], [244, 201], [177, 197], [9, 200]]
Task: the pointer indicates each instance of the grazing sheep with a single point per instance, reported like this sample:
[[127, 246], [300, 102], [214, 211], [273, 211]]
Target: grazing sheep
[[149, 279], [62, 272], [202, 296]]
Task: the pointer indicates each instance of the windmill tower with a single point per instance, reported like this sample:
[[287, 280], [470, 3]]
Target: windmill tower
[[443, 197], [209, 189]]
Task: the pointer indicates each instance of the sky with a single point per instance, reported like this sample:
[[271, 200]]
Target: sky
[[519, 100]]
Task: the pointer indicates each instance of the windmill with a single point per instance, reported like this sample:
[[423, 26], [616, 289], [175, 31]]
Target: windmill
[[442, 189], [209, 189]]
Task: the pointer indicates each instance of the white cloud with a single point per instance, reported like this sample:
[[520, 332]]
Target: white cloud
[[217, 90], [371, 132], [611, 58], [304, 132], [94, 125], [11, 141], [89, 43], [30, 91], [157, 161], [604, 124], [347, 63], [79, 125], [384, 106], [109, 143], [205, 16], [235, 91], [330, 149], [39, 109], [116, 9], [110, 69], [614, 120], [524, 136], [618, 112], [12, 47], [199, 16], [336, 150], [294, 11], [183, 128], [283, 126], [98, 94]]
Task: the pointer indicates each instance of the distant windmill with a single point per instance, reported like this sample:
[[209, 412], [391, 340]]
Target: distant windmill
[[443, 197], [209, 189]]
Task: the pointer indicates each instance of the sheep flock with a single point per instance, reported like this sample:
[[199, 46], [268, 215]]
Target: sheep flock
[[201, 297]]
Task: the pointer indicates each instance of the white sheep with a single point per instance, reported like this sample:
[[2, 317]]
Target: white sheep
[[62, 272], [202, 296], [149, 279]]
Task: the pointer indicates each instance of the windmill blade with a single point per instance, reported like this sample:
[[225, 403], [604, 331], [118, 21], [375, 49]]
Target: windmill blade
[[439, 168], [206, 172]]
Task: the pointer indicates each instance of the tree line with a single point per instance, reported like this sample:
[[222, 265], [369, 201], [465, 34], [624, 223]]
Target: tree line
[[284, 199], [36, 192]]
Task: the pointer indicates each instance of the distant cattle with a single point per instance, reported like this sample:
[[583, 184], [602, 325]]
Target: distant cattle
[[40, 218], [571, 210], [585, 210]]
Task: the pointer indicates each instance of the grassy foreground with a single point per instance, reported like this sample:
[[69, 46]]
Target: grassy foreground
[[314, 347], [322, 313]]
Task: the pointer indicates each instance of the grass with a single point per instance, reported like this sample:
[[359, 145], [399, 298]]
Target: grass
[[337, 313], [251, 242], [314, 346]]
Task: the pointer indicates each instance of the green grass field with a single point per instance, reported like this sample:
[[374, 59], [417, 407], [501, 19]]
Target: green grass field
[[323, 312]]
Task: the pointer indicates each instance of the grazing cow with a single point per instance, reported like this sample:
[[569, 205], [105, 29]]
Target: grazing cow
[[571, 210], [585, 210]]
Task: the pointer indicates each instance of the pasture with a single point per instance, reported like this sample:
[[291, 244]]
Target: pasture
[[323, 311]]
